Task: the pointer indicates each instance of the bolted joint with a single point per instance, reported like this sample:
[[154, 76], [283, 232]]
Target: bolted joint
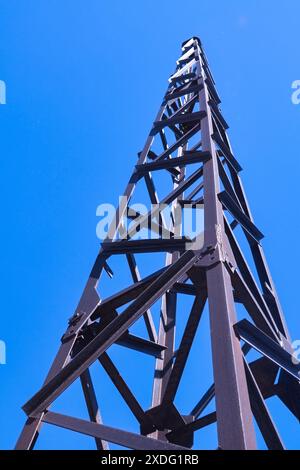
[[72, 322]]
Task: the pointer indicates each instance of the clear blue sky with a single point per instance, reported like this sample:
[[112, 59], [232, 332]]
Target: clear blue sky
[[84, 81]]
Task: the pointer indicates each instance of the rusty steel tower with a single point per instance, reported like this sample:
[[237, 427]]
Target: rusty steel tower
[[187, 161]]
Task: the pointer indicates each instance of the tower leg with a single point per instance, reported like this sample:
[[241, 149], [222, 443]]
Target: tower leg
[[235, 426], [234, 416]]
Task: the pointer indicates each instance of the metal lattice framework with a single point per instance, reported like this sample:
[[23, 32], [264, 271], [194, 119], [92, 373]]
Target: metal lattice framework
[[189, 133]]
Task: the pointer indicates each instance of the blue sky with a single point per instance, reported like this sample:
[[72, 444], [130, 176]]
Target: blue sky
[[84, 81]]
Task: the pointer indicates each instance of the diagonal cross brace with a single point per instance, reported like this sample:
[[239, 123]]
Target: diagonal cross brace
[[50, 391], [267, 347]]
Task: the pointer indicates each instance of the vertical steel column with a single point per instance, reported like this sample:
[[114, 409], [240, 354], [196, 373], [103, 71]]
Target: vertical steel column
[[235, 426]]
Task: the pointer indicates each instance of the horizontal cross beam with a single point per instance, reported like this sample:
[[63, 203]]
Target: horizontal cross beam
[[100, 431]]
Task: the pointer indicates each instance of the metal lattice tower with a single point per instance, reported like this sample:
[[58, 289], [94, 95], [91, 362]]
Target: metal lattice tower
[[188, 144]]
